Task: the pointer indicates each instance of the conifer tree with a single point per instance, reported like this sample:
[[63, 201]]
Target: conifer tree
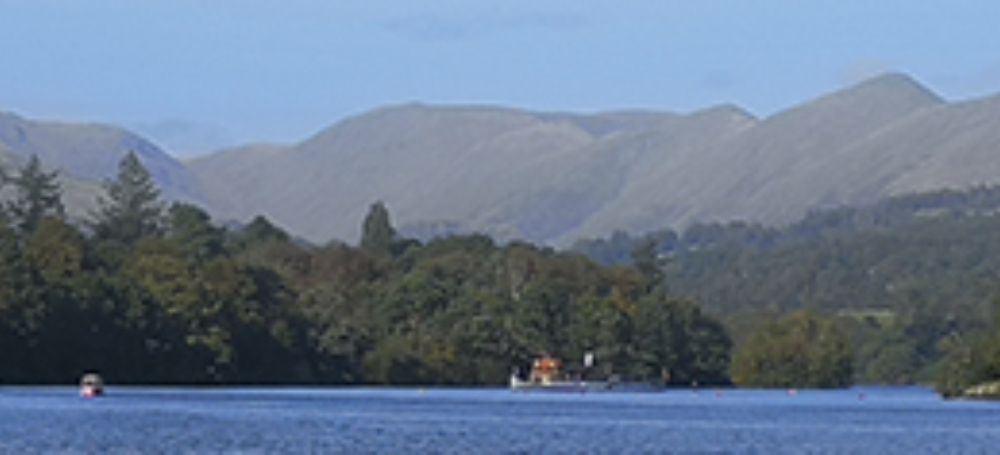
[[132, 209], [38, 195], [377, 234]]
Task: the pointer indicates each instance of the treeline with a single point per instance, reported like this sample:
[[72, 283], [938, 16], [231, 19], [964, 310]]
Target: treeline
[[909, 280], [151, 293], [888, 214]]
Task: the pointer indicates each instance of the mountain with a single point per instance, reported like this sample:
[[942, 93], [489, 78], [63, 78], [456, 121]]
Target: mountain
[[511, 173], [220, 173], [87, 154], [758, 174], [551, 177], [651, 188], [503, 171], [554, 177]]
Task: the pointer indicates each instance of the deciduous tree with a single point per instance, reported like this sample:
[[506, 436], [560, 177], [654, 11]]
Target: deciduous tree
[[800, 350]]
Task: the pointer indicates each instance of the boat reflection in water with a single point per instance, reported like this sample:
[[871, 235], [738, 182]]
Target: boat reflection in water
[[545, 376]]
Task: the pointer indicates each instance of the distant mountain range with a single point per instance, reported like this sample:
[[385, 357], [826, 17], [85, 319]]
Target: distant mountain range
[[556, 177]]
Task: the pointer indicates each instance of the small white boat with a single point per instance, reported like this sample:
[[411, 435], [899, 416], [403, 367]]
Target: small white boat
[[91, 385]]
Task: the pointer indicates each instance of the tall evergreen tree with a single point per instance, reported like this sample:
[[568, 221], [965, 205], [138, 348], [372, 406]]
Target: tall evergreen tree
[[38, 195], [132, 209], [377, 233]]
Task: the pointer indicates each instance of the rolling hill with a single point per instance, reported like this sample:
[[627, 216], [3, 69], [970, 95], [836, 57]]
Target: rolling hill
[[552, 177]]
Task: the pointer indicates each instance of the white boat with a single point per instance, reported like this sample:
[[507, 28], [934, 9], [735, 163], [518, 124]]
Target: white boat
[[545, 377], [91, 385], [574, 386]]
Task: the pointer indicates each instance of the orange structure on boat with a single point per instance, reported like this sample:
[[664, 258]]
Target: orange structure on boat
[[544, 370]]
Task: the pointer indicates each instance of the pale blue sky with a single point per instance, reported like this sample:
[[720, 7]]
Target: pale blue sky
[[194, 74]]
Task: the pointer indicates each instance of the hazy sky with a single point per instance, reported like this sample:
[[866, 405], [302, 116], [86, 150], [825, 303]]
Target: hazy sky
[[193, 74]]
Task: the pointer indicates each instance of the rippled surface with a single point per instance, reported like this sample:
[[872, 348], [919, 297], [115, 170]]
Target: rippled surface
[[155, 420]]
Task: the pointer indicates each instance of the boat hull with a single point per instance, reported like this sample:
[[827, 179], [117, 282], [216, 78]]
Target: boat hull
[[520, 385], [91, 392]]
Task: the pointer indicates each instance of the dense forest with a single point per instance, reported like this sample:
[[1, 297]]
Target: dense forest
[[153, 293], [148, 292], [911, 280]]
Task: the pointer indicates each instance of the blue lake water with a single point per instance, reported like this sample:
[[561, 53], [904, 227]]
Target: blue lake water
[[359, 421]]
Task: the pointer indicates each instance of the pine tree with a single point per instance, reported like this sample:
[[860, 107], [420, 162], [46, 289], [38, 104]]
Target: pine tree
[[377, 234], [38, 195], [132, 209]]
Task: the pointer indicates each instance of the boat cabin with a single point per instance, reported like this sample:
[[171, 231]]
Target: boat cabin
[[544, 370]]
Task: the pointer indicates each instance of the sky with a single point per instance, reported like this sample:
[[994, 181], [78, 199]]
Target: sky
[[198, 75]]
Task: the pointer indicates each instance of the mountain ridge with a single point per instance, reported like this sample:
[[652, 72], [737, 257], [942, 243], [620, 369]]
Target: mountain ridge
[[555, 177]]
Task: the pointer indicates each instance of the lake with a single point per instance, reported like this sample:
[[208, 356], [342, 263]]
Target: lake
[[358, 421]]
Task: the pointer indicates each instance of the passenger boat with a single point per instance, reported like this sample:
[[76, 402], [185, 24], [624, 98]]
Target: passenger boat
[[545, 376], [91, 385]]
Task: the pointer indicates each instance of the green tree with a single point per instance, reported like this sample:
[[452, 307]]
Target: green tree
[[971, 358], [800, 350], [673, 336], [55, 250], [12, 270], [260, 231], [645, 259], [377, 233], [13, 324], [132, 209], [38, 195], [191, 227], [603, 327]]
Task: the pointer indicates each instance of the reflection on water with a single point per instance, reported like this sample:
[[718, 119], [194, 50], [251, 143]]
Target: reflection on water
[[161, 420]]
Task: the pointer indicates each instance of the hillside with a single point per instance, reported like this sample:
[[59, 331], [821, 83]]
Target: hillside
[[86, 154], [907, 276], [502, 171], [554, 178]]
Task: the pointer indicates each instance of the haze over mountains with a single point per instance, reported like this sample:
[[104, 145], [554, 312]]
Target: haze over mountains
[[556, 177]]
